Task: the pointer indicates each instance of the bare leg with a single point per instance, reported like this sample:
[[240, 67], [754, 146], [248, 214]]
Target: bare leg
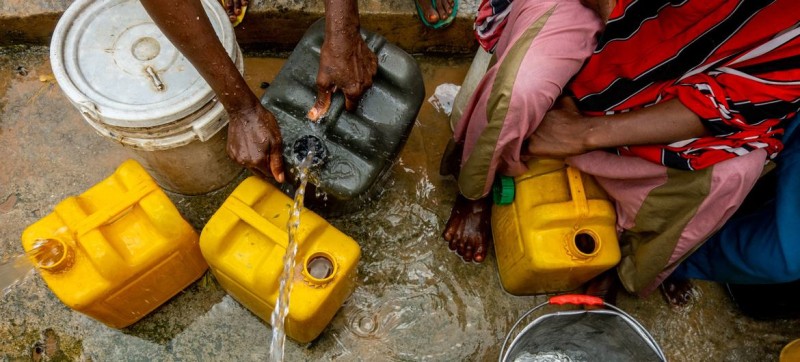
[[678, 292], [468, 231], [433, 14]]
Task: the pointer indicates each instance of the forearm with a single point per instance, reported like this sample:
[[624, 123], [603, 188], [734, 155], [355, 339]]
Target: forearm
[[663, 123], [341, 18], [186, 25]]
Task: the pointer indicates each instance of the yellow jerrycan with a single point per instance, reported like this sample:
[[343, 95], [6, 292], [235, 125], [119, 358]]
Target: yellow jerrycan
[[117, 251], [244, 243], [553, 229]]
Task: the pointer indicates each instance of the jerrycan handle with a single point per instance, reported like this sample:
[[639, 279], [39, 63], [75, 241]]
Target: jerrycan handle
[[104, 257], [113, 213], [577, 191], [248, 215]]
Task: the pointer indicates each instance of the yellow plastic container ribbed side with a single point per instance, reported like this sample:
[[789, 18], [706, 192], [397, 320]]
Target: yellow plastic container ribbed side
[[558, 233], [244, 244], [117, 251]]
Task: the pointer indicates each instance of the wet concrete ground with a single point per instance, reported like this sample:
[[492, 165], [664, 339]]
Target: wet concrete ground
[[415, 300]]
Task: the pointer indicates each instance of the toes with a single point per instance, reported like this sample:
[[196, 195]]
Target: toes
[[468, 254], [678, 293], [480, 253], [433, 16], [447, 235], [452, 245], [453, 225], [229, 9], [427, 9], [443, 8]]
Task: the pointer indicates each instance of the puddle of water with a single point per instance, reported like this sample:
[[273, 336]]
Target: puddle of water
[[414, 299], [282, 304]]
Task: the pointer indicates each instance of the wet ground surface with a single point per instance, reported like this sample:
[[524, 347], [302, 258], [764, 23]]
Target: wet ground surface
[[414, 300]]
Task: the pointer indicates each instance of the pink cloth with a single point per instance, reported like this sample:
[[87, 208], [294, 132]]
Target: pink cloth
[[557, 52], [629, 180]]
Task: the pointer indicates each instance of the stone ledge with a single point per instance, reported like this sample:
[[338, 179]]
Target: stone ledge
[[272, 25]]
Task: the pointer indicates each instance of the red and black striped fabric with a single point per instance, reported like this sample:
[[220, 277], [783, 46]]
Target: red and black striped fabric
[[490, 22], [735, 63]]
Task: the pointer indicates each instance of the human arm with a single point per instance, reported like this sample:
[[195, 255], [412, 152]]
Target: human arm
[[345, 62], [254, 138], [565, 132], [743, 102]]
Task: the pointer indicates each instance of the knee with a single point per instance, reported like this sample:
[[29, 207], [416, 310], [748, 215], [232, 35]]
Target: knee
[[538, 88], [530, 97], [737, 176]]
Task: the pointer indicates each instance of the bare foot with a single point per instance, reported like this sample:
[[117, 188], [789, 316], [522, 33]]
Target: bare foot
[[678, 292], [469, 229], [442, 10], [234, 8]]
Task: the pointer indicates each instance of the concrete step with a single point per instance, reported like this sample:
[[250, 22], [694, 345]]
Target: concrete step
[[273, 24]]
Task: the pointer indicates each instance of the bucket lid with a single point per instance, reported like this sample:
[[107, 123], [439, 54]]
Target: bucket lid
[[116, 65]]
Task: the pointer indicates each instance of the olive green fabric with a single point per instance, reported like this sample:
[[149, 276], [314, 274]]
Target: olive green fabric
[[647, 247], [472, 180]]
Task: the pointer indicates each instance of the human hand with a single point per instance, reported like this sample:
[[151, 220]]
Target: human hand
[[562, 132], [345, 63], [254, 140]]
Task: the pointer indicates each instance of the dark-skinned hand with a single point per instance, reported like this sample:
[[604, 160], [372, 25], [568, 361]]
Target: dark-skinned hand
[[347, 64], [560, 134], [254, 140]]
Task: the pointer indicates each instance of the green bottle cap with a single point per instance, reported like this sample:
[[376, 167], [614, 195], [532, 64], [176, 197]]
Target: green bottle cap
[[503, 190]]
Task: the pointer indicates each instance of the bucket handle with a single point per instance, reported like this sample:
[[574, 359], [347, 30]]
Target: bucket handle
[[577, 191], [89, 111], [578, 299]]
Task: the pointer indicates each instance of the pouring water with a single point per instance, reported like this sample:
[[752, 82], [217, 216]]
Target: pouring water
[[282, 304], [46, 252]]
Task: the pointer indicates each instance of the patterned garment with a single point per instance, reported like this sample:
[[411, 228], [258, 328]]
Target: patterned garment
[[491, 20], [733, 63], [544, 44]]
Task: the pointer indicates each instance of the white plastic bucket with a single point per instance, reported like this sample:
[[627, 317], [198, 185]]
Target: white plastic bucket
[[134, 87]]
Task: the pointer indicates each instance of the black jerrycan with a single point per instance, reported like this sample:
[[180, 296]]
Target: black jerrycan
[[354, 150]]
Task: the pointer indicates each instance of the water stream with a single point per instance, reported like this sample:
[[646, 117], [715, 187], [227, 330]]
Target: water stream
[[46, 252], [14, 271], [282, 304]]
